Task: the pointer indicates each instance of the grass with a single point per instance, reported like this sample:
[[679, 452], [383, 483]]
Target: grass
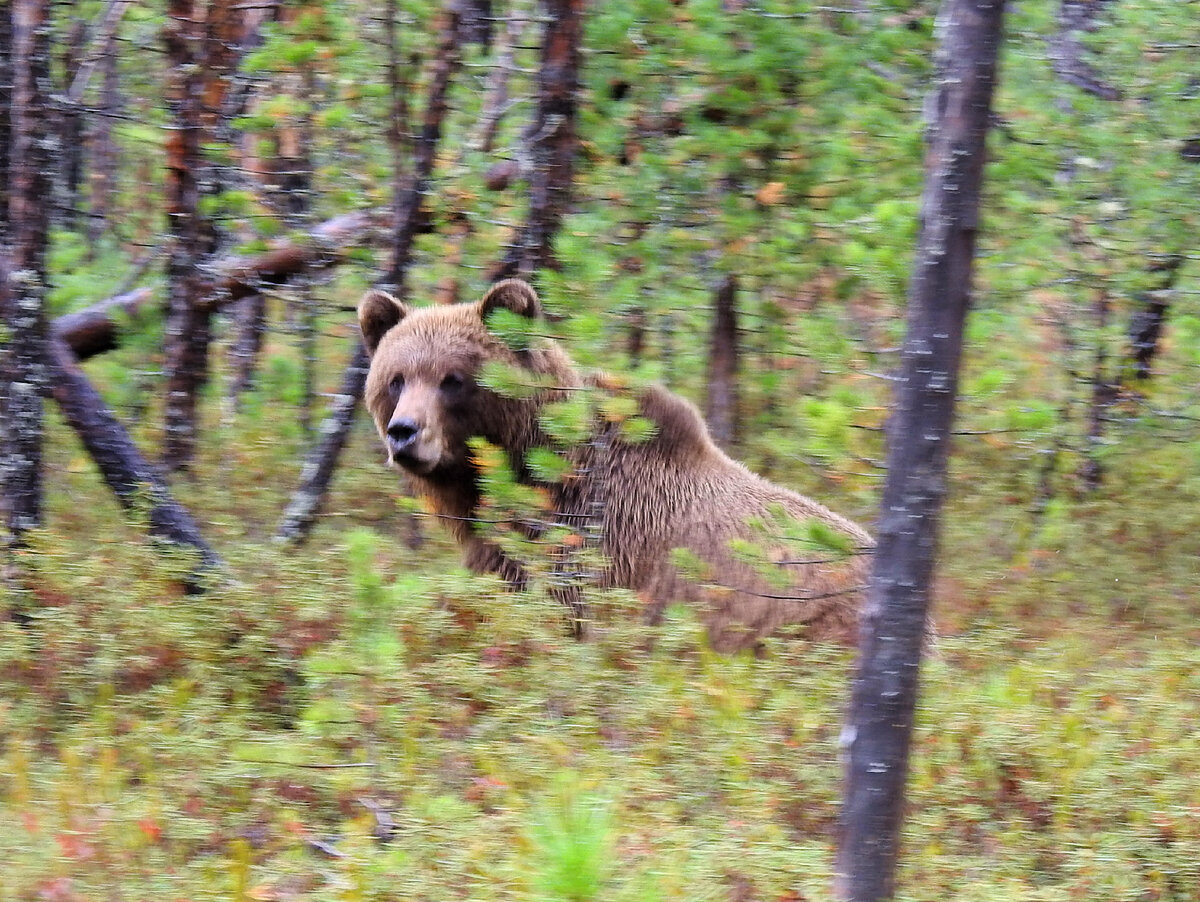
[[359, 719]]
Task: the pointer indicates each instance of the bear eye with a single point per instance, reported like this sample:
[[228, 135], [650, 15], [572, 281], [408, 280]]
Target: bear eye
[[453, 382], [396, 385]]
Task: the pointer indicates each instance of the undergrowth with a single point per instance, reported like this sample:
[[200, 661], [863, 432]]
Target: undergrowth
[[359, 720]]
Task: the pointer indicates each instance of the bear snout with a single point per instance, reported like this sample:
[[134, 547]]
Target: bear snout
[[402, 437]]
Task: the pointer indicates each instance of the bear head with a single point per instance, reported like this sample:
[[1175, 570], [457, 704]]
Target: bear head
[[421, 388]]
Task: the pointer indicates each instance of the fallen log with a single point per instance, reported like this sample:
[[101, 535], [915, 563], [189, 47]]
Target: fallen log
[[97, 329], [134, 480], [325, 246]]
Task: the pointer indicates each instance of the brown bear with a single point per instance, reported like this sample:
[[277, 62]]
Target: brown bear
[[673, 490]]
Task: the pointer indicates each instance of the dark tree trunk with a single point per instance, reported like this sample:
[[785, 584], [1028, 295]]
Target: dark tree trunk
[[251, 319], [635, 344], [1146, 325], [188, 319], [721, 409], [96, 329], [1104, 392], [478, 23], [320, 464], [102, 176], [136, 483], [551, 141], [23, 360], [408, 204], [398, 136], [1067, 51], [318, 467], [495, 102], [71, 128], [6, 85], [201, 54], [879, 722]]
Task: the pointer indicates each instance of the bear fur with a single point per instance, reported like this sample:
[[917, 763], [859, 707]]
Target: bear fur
[[675, 490]]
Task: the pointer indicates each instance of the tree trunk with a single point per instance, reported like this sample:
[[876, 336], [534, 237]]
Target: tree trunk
[[478, 23], [71, 129], [1067, 50], [1104, 393], [102, 177], [1146, 324], [136, 483], [202, 48], [495, 95], [188, 319], [408, 204], [320, 464], [251, 320], [23, 361], [551, 140], [721, 409], [879, 722], [6, 86], [101, 47]]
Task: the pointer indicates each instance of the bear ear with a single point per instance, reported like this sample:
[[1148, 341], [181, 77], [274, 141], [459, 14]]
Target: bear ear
[[378, 311], [511, 294]]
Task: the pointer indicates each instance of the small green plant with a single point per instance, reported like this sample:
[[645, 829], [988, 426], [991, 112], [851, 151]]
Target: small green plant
[[572, 837]]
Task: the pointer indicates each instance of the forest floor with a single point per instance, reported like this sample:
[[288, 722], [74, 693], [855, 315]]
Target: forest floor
[[360, 719]]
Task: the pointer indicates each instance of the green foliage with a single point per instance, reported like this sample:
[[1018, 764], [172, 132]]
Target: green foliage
[[572, 839], [512, 381], [547, 466], [516, 331], [179, 746], [571, 420]]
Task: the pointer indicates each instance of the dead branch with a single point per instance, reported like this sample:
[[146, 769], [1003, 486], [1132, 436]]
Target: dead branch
[[96, 329]]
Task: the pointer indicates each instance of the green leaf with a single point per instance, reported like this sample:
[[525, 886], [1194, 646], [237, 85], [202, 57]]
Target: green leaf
[[546, 465], [570, 421]]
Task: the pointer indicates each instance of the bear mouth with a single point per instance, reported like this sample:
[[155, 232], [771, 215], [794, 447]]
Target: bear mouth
[[411, 463]]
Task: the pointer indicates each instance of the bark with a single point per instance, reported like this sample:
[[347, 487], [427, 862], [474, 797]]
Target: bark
[[100, 47], [408, 204], [23, 362], [721, 409], [635, 344], [71, 130], [188, 320], [1067, 50], [6, 85], [320, 464], [478, 21], [879, 722], [495, 97], [399, 91], [552, 141], [139, 487], [318, 467], [97, 329], [251, 319], [202, 43], [103, 150], [1104, 393], [1146, 325]]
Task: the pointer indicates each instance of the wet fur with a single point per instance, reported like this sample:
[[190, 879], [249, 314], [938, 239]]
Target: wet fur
[[676, 490]]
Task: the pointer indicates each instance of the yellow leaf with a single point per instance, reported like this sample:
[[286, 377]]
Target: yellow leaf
[[770, 194]]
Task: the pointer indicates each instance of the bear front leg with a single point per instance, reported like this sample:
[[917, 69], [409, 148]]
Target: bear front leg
[[482, 556]]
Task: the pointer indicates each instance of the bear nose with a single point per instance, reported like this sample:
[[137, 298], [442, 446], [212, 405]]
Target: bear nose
[[402, 431]]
